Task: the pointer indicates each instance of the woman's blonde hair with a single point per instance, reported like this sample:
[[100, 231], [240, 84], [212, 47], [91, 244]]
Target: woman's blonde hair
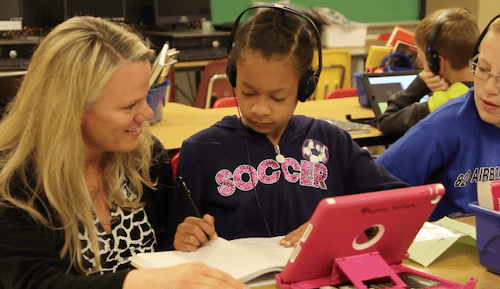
[[41, 141]]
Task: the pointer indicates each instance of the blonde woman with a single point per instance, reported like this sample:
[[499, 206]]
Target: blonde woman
[[83, 184]]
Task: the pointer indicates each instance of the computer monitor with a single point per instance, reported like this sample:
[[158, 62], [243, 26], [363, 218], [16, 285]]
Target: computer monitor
[[10, 83], [42, 13], [114, 10], [178, 14], [10, 15]]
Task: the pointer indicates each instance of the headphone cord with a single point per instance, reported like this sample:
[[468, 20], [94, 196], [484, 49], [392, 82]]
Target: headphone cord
[[251, 176]]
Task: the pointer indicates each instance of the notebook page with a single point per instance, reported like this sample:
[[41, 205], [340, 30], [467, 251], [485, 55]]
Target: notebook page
[[243, 259]]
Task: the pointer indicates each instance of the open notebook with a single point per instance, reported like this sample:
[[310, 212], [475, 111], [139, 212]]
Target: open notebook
[[244, 259], [379, 86]]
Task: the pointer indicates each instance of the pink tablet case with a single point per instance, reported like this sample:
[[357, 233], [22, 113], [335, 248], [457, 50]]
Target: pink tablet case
[[334, 249]]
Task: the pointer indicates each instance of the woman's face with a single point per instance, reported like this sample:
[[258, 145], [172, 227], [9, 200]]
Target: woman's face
[[114, 122], [487, 93], [267, 93]]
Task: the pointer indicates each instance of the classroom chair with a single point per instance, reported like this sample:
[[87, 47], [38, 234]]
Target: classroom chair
[[174, 162], [225, 102], [342, 92], [335, 73], [213, 84]]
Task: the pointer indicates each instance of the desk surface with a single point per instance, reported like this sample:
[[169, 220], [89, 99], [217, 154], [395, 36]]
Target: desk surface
[[180, 121], [458, 264]]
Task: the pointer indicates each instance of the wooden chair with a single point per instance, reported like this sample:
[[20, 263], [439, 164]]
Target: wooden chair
[[335, 73], [342, 92], [225, 102], [213, 84]]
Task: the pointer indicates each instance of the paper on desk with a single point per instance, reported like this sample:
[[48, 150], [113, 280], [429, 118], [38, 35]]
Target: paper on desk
[[435, 238]]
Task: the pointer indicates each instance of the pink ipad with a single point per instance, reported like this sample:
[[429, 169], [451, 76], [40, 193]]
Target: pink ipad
[[359, 237]]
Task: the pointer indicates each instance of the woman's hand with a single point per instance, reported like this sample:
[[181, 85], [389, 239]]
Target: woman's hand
[[185, 276]]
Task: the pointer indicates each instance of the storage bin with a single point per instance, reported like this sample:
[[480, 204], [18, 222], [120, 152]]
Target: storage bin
[[156, 100], [362, 97], [338, 36], [488, 236]]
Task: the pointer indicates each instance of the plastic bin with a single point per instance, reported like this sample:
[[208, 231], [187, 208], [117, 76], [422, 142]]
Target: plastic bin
[[362, 97], [488, 236], [156, 100]]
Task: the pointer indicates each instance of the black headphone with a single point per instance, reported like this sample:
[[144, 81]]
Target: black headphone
[[476, 47], [308, 80], [431, 54]]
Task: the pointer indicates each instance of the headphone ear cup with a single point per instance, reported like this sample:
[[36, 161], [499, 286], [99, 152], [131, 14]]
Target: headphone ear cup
[[231, 73], [432, 58], [307, 85]]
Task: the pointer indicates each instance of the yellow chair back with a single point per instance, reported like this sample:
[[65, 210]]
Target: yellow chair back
[[336, 72]]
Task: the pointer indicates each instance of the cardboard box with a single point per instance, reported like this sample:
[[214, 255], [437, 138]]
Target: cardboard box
[[338, 36], [488, 237]]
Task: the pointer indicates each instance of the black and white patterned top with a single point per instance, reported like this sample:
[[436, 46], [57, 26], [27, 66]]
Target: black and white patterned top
[[131, 233]]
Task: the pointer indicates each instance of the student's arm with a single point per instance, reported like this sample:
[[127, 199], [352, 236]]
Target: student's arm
[[434, 82], [403, 110], [194, 232], [415, 156], [294, 236], [186, 232]]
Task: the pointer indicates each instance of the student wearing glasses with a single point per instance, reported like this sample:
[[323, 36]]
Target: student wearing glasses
[[459, 145]]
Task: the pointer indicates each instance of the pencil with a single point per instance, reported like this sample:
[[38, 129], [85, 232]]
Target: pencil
[[188, 195]]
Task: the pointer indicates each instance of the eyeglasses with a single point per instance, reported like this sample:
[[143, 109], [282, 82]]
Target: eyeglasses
[[480, 72]]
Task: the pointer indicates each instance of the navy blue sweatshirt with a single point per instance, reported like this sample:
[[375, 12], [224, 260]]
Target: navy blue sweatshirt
[[232, 170]]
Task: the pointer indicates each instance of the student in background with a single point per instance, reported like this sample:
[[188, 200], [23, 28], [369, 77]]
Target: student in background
[[459, 145], [83, 185], [452, 34], [263, 173]]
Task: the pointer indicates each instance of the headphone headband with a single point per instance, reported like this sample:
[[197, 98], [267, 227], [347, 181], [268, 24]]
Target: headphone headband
[[431, 54], [437, 26], [476, 47], [287, 9], [308, 80]]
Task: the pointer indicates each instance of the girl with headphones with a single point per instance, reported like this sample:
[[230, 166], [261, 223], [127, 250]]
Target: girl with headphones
[[262, 173], [459, 144]]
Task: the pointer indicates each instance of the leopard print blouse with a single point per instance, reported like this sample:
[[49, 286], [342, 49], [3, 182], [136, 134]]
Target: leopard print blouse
[[131, 233]]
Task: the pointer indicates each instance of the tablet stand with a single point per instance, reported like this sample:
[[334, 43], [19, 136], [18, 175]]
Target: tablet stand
[[364, 267]]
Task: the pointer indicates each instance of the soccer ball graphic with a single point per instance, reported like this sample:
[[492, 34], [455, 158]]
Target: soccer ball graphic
[[314, 151]]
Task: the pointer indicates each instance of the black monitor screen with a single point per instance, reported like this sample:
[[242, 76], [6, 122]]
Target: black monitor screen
[[111, 9], [42, 13], [10, 10], [185, 11], [10, 85]]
